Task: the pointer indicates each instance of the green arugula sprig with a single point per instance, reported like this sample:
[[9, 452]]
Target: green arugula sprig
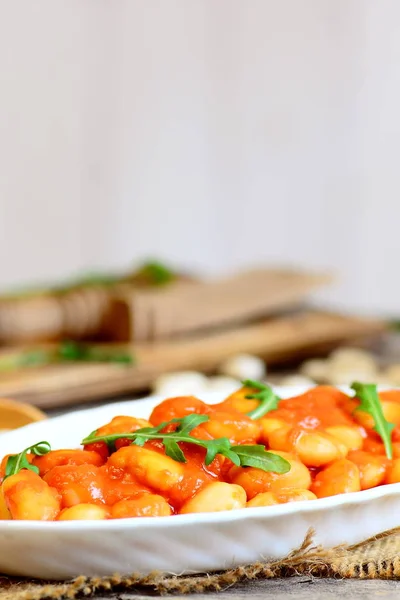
[[76, 352], [370, 403], [65, 352], [16, 462], [267, 397], [154, 273], [242, 456]]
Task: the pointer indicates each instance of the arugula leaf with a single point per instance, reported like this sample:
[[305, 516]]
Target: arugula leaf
[[188, 423], [370, 403], [18, 360], [154, 273], [257, 456], [245, 456], [173, 450], [220, 446], [267, 397], [65, 352], [16, 462], [141, 436], [76, 352]]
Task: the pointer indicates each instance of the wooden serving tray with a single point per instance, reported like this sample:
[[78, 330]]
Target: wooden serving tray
[[274, 340], [148, 314], [128, 311]]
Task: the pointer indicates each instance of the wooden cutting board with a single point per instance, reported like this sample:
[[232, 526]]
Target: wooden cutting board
[[274, 340], [143, 315], [128, 312]]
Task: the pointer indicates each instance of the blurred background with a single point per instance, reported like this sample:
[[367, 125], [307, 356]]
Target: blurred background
[[215, 136]]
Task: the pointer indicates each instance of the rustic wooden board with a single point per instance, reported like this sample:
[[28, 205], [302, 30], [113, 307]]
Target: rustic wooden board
[[143, 315], [274, 340], [298, 588], [130, 312]]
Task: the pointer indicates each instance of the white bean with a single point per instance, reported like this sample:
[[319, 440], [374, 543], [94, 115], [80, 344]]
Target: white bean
[[216, 497], [83, 512]]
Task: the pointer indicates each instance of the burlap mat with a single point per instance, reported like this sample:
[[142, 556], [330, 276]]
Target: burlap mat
[[375, 558]]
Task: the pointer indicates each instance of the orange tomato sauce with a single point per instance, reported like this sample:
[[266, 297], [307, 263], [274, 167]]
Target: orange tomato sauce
[[331, 448]]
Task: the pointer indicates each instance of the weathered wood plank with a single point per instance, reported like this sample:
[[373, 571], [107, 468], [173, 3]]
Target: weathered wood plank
[[293, 335], [299, 588]]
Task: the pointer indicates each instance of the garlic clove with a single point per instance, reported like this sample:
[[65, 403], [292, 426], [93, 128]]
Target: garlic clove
[[392, 374], [345, 375], [225, 385], [244, 366], [297, 380], [355, 358], [186, 383], [382, 381], [315, 369]]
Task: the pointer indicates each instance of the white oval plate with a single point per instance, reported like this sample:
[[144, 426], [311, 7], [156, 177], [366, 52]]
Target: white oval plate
[[183, 543]]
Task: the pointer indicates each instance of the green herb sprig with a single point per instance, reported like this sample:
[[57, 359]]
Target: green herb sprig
[[75, 352], [17, 462], [370, 403], [242, 456], [267, 397], [153, 273], [64, 352]]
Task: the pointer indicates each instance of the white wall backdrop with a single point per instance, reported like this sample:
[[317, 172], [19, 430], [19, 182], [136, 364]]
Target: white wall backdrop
[[212, 133]]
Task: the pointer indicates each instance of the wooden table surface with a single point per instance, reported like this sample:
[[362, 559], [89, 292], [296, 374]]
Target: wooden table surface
[[298, 588]]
